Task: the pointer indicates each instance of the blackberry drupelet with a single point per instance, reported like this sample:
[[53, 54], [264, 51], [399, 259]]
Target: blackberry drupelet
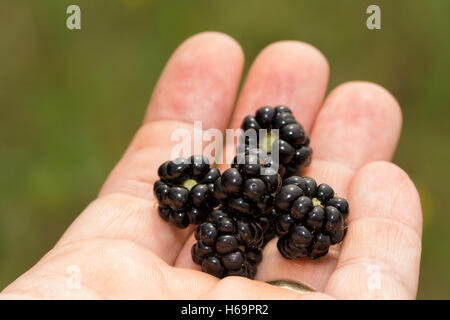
[[185, 191], [249, 186], [228, 245], [291, 141], [309, 218]]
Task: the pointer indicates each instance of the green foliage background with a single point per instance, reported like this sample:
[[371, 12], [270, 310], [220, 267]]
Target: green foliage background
[[70, 101]]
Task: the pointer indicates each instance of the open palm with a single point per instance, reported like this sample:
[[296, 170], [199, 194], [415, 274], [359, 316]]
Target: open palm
[[123, 249]]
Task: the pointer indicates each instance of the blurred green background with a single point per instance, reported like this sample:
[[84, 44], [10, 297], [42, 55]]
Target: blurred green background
[[70, 101]]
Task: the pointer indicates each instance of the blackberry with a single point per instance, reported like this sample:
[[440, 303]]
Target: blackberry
[[249, 186], [309, 218], [185, 191], [228, 245], [290, 139]]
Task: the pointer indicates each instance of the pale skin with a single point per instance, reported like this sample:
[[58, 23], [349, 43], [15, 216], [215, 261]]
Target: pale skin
[[124, 250]]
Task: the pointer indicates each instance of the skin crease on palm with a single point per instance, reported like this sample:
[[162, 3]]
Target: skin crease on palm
[[124, 250]]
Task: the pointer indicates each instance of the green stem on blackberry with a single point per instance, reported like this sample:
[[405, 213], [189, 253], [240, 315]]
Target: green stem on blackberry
[[316, 202], [267, 141], [189, 184]]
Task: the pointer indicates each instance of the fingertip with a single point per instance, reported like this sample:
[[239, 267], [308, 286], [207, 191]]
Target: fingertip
[[291, 73], [217, 41], [384, 186], [360, 122], [302, 52], [199, 82], [369, 94]]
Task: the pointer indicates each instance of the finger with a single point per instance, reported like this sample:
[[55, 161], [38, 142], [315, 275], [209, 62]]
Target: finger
[[200, 82], [359, 122], [288, 72], [380, 257], [291, 73], [203, 73]]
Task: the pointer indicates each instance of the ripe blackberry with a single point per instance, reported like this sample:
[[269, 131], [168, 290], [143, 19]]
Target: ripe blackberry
[[309, 218], [291, 140], [185, 191], [228, 245], [249, 186]]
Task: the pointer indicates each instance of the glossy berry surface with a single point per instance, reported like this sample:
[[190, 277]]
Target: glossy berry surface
[[282, 133], [185, 191], [228, 245], [249, 187], [309, 218]]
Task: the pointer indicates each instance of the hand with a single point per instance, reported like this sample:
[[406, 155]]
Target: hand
[[120, 248]]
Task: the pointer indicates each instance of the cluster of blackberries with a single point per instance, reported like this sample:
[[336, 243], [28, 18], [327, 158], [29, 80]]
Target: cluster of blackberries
[[281, 133], [228, 245], [257, 198], [185, 191], [309, 218], [249, 186]]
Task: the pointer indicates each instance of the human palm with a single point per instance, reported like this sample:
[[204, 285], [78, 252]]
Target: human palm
[[122, 249]]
